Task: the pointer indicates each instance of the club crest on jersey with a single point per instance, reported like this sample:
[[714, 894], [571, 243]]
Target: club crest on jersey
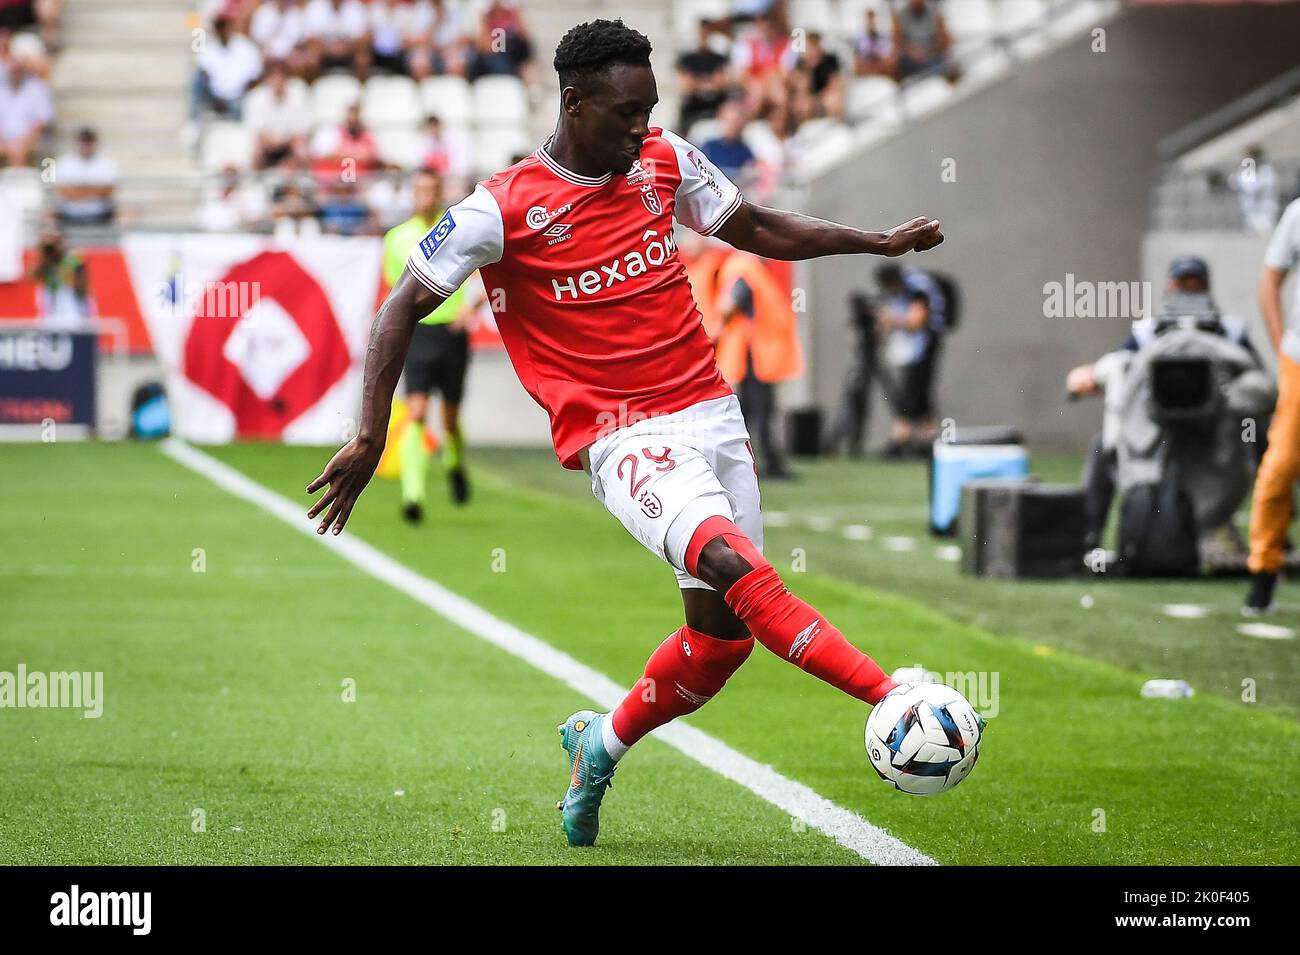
[[432, 242], [651, 200]]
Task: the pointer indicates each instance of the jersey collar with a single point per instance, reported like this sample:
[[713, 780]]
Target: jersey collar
[[549, 162]]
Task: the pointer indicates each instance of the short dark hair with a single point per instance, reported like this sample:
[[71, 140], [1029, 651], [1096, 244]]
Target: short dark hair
[[591, 48]]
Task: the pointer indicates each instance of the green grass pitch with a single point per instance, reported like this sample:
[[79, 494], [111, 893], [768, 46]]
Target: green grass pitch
[[225, 689]]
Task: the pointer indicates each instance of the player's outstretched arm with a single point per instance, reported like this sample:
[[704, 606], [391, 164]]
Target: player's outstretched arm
[[777, 234], [351, 469]]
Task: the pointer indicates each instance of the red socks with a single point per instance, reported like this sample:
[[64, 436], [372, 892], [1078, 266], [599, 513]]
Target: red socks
[[785, 624], [689, 668], [680, 677], [791, 629]]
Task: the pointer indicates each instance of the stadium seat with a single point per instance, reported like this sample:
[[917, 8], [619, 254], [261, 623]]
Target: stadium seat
[[226, 144], [869, 95], [924, 96], [495, 147], [448, 98], [22, 185], [391, 102], [500, 100], [703, 130], [1017, 16], [970, 22], [331, 97], [399, 146], [812, 15]]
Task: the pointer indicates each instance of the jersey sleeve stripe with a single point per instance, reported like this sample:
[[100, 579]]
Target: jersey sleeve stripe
[[726, 214], [431, 284]]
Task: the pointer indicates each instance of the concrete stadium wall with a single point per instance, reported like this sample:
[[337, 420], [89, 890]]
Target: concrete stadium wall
[[1053, 169]]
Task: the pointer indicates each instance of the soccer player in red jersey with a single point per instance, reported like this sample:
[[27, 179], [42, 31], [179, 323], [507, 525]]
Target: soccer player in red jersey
[[575, 246]]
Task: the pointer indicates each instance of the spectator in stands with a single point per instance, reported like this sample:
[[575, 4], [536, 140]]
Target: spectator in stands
[[387, 43], [816, 83], [436, 40], [873, 50], [26, 111], [910, 323], [345, 212], [276, 111], [345, 150], [761, 57], [503, 45], [234, 206], [702, 75], [293, 212], [728, 150], [443, 152], [921, 38], [15, 14], [279, 28], [85, 179], [338, 36], [48, 13], [228, 64], [1256, 186]]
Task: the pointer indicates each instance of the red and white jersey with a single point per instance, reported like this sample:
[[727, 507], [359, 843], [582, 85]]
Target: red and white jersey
[[583, 276]]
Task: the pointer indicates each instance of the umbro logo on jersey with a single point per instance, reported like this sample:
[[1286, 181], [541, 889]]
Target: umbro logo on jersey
[[432, 242], [558, 233], [803, 638]]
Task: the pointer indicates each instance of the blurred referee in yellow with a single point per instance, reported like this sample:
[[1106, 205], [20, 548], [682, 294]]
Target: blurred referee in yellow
[[438, 359], [1271, 511]]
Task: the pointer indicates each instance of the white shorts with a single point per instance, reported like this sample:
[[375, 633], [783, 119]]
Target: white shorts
[[663, 476]]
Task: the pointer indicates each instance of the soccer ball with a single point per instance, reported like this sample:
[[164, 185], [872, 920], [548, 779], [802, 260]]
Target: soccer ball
[[923, 738]]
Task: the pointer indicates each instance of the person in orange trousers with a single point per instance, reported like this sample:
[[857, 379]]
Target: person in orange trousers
[[1271, 510]]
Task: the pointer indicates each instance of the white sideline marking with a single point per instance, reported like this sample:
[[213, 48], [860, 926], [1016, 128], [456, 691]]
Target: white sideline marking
[[1186, 611], [844, 826], [900, 545]]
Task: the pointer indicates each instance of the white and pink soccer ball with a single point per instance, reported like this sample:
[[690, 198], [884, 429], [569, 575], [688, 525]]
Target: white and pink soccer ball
[[924, 738]]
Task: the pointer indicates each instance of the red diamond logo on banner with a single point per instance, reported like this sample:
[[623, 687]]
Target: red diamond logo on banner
[[270, 277]]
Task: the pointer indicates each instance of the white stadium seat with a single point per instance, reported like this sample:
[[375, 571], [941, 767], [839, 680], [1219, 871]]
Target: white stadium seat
[[924, 96], [970, 21], [400, 146], [391, 102], [812, 15], [448, 98], [226, 144], [870, 95], [331, 97], [500, 100], [1017, 16], [495, 147]]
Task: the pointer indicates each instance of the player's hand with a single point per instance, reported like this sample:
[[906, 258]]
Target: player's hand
[[347, 475], [918, 235]]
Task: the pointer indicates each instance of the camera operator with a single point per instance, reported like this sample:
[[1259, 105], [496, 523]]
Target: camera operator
[[911, 322], [1188, 301]]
